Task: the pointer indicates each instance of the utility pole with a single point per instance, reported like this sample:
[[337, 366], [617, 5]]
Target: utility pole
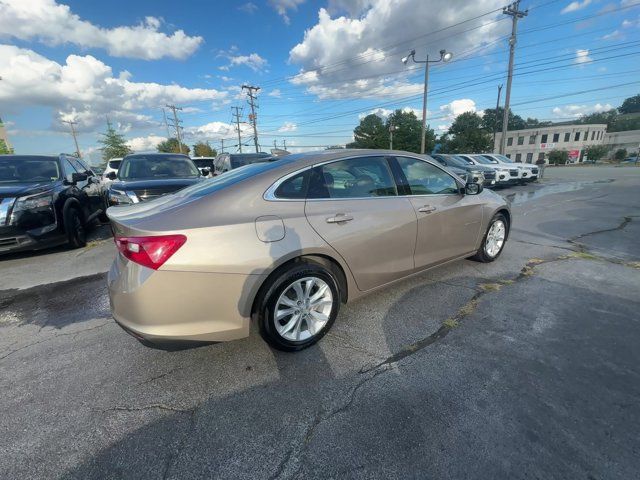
[[237, 115], [166, 124], [495, 125], [392, 128], [515, 14], [73, 133], [252, 118], [222, 145], [176, 124], [275, 143], [284, 144]]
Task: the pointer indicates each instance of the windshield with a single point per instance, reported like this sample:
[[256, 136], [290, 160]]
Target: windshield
[[203, 162], [28, 169], [464, 160], [156, 166], [486, 160], [451, 160], [241, 160], [115, 164], [502, 158]]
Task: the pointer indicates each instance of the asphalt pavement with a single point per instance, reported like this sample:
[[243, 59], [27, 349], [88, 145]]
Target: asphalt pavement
[[528, 367]]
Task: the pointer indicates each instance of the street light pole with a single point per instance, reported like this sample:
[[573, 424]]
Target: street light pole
[[444, 57], [392, 128]]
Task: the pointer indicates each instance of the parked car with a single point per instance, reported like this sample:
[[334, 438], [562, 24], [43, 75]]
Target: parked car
[[229, 161], [205, 165], [504, 175], [478, 173], [143, 176], [112, 166], [46, 201], [528, 173], [288, 242]]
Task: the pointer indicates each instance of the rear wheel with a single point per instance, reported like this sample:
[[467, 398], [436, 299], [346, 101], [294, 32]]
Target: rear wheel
[[75, 228], [493, 241], [299, 307]]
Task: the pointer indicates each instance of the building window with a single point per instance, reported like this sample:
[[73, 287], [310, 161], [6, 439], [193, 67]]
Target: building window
[[509, 141], [529, 157], [600, 135], [577, 137], [532, 139], [586, 136], [593, 136], [544, 138], [520, 140], [541, 156], [518, 158], [567, 137], [556, 137]]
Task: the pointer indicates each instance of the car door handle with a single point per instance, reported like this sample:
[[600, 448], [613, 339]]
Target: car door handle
[[427, 209], [339, 218]]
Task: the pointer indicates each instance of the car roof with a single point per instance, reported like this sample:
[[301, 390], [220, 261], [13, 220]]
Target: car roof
[[156, 154]]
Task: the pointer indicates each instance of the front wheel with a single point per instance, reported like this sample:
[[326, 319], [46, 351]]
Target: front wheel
[[493, 241], [299, 307], [75, 228]]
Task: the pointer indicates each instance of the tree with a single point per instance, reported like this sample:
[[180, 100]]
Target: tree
[[371, 133], [558, 157], [596, 152], [609, 117], [4, 148], [620, 154], [491, 121], [408, 129], [203, 149], [630, 105], [171, 145], [113, 144], [466, 135]]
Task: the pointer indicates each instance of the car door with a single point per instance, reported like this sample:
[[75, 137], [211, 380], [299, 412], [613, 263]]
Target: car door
[[353, 204], [448, 221], [94, 189]]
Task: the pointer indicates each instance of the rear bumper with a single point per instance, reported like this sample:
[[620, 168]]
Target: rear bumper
[[164, 306]]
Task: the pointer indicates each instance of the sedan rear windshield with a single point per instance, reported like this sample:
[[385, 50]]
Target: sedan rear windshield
[[153, 166], [28, 169]]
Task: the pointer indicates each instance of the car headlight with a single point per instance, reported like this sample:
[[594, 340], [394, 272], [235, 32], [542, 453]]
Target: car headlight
[[33, 201], [120, 197]]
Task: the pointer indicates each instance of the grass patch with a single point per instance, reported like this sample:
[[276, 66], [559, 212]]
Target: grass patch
[[468, 308], [535, 261], [583, 256], [634, 265], [490, 287], [451, 323], [527, 271]]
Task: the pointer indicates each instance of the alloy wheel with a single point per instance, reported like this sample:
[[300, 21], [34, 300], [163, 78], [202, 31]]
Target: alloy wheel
[[303, 309], [495, 238]]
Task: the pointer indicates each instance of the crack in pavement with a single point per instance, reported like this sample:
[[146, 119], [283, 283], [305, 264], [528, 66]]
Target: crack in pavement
[[152, 406], [53, 337]]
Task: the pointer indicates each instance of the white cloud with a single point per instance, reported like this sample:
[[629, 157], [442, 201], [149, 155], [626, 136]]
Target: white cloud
[[54, 24], [85, 89], [575, 6], [582, 56], [145, 144], [576, 111], [615, 35], [453, 109], [283, 6], [275, 93], [248, 7], [216, 131], [254, 61], [384, 113], [288, 127], [347, 56]]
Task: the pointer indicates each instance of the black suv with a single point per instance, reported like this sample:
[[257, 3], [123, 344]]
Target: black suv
[[46, 200], [144, 176], [228, 161], [474, 172]]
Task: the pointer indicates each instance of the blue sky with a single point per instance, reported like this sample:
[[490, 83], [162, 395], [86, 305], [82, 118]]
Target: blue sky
[[320, 65]]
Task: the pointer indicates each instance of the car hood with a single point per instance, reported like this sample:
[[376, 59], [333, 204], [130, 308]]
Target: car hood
[[21, 189], [146, 184]]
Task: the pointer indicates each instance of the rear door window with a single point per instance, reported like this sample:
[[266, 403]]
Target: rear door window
[[427, 179]]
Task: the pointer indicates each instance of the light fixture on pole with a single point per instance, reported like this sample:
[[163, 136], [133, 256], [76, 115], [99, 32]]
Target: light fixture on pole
[[444, 57], [392, 128]]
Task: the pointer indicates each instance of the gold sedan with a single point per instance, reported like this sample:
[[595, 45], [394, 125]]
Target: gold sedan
[[285, 243]]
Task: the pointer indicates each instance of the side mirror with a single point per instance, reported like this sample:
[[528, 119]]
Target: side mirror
[[472, 188], [112, 175], [76, 177], [205, 172]]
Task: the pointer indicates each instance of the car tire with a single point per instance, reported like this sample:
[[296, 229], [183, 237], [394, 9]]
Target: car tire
[[75, 228], [497, 232], [287, 320]]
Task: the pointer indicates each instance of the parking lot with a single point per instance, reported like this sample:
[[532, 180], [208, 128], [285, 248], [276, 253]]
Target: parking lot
[[527, 367]]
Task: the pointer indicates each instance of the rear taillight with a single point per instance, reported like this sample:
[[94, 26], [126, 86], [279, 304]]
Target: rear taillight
[[150, 252]]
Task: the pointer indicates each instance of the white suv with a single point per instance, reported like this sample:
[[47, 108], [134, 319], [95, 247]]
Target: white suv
[[505, 176], [112, 166], [529, 172]]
